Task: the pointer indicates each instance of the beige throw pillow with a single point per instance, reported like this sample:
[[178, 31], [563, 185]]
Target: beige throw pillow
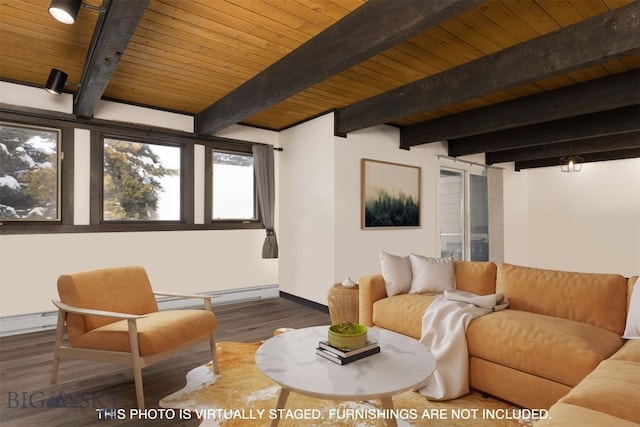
[[431, 275], [396, 271]]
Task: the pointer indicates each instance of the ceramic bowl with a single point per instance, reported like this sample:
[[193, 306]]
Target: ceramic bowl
[[348, 341]]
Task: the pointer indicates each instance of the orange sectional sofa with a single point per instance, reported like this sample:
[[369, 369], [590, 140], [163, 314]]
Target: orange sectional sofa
[[559, 340]]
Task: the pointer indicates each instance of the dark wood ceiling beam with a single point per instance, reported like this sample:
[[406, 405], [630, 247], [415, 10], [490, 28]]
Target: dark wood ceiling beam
[[601, 94], [604, 37], [557, 150], [621, 120], [588, 158], [370, 29], [111, 36]]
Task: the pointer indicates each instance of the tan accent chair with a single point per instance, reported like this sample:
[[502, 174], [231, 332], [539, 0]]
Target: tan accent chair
[[111, 315]]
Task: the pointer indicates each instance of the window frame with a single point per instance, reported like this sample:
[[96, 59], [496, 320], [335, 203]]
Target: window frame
[[59, 157], [68, 123], [97, 214], [227, 223], [65, 174]]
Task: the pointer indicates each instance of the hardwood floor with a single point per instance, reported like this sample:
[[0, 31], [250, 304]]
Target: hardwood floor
[[28, 399]]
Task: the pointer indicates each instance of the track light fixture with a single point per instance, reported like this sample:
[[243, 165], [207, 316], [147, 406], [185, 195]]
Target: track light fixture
[[66, 11], [56, 81]]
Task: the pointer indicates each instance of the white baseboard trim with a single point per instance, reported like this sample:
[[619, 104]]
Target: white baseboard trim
[[34, 322]]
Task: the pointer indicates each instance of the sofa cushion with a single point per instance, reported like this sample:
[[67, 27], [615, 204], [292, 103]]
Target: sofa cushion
[[630, 351], [476, 277], [613, 388], [565, 415], [402, 313], [157, 332], [596, 299], [557, 349]]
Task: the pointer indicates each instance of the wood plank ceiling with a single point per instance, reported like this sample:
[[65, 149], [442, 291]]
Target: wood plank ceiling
[[188, 55]]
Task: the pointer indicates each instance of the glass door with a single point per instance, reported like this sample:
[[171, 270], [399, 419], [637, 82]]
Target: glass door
[[451, 213], [464, 215]]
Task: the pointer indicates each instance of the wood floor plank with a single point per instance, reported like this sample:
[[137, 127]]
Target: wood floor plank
[[28, 399]]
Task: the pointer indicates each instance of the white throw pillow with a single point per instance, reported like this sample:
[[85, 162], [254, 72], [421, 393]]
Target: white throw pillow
[[396, 271], [432, 275], [632, 330]]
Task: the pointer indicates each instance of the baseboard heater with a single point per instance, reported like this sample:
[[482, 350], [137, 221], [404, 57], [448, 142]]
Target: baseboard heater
[[34, 322]]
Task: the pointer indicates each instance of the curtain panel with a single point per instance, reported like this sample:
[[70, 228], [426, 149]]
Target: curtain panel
[[265, 186]]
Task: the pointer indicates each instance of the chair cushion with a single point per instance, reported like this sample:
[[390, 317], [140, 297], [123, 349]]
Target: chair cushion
[[402, 313], [120, 289], [158, 332], [556, 349]]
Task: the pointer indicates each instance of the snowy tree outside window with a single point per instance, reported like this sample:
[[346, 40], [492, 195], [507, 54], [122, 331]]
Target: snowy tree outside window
[[233, 186], [29, 173], [141, 181]]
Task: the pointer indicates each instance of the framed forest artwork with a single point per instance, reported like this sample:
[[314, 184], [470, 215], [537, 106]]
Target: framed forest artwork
[[390, 195]]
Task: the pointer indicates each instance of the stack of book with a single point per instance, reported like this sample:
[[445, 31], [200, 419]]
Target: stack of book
[[344, 356]]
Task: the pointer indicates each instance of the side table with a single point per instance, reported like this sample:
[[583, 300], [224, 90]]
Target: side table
[[343, 304]]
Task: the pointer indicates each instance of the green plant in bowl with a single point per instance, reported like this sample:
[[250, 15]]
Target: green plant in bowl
[[347, 335]]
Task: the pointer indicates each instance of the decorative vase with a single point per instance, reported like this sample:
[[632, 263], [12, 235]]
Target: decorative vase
[[349, 283]]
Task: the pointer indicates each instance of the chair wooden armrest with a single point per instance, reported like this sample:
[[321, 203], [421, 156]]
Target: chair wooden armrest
[[78, 310]]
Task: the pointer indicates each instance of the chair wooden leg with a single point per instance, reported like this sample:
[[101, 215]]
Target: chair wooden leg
[[62, 316], [137, 378], [214, 354], [136, 362]]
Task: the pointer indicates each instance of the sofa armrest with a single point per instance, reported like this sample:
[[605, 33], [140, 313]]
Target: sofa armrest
[[372, 289]]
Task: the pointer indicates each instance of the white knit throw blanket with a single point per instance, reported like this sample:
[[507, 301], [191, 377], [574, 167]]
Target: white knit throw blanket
[[444, 325]]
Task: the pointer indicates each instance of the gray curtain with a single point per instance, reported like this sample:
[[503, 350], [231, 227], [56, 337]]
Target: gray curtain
[[265, 183]]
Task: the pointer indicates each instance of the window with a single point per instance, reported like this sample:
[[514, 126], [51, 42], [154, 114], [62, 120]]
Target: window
[[141, 181], [29, 173], [464, 214], [234, 196]]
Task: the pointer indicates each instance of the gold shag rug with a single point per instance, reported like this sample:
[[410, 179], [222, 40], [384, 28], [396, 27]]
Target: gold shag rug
[[242, 396]]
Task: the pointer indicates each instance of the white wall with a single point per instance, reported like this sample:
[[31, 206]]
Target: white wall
[[516, 216], [180, 261], [589, 221], [306, 228], [357, 250], [586, 221], [322, 242]]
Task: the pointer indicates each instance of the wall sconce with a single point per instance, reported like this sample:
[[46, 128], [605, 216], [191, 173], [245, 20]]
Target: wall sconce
[[66, 11], [571, 163]]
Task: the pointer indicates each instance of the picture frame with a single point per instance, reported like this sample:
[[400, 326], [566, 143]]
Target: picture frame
[[390, 195]]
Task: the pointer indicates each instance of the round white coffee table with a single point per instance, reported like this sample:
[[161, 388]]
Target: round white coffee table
[[291, 361]]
